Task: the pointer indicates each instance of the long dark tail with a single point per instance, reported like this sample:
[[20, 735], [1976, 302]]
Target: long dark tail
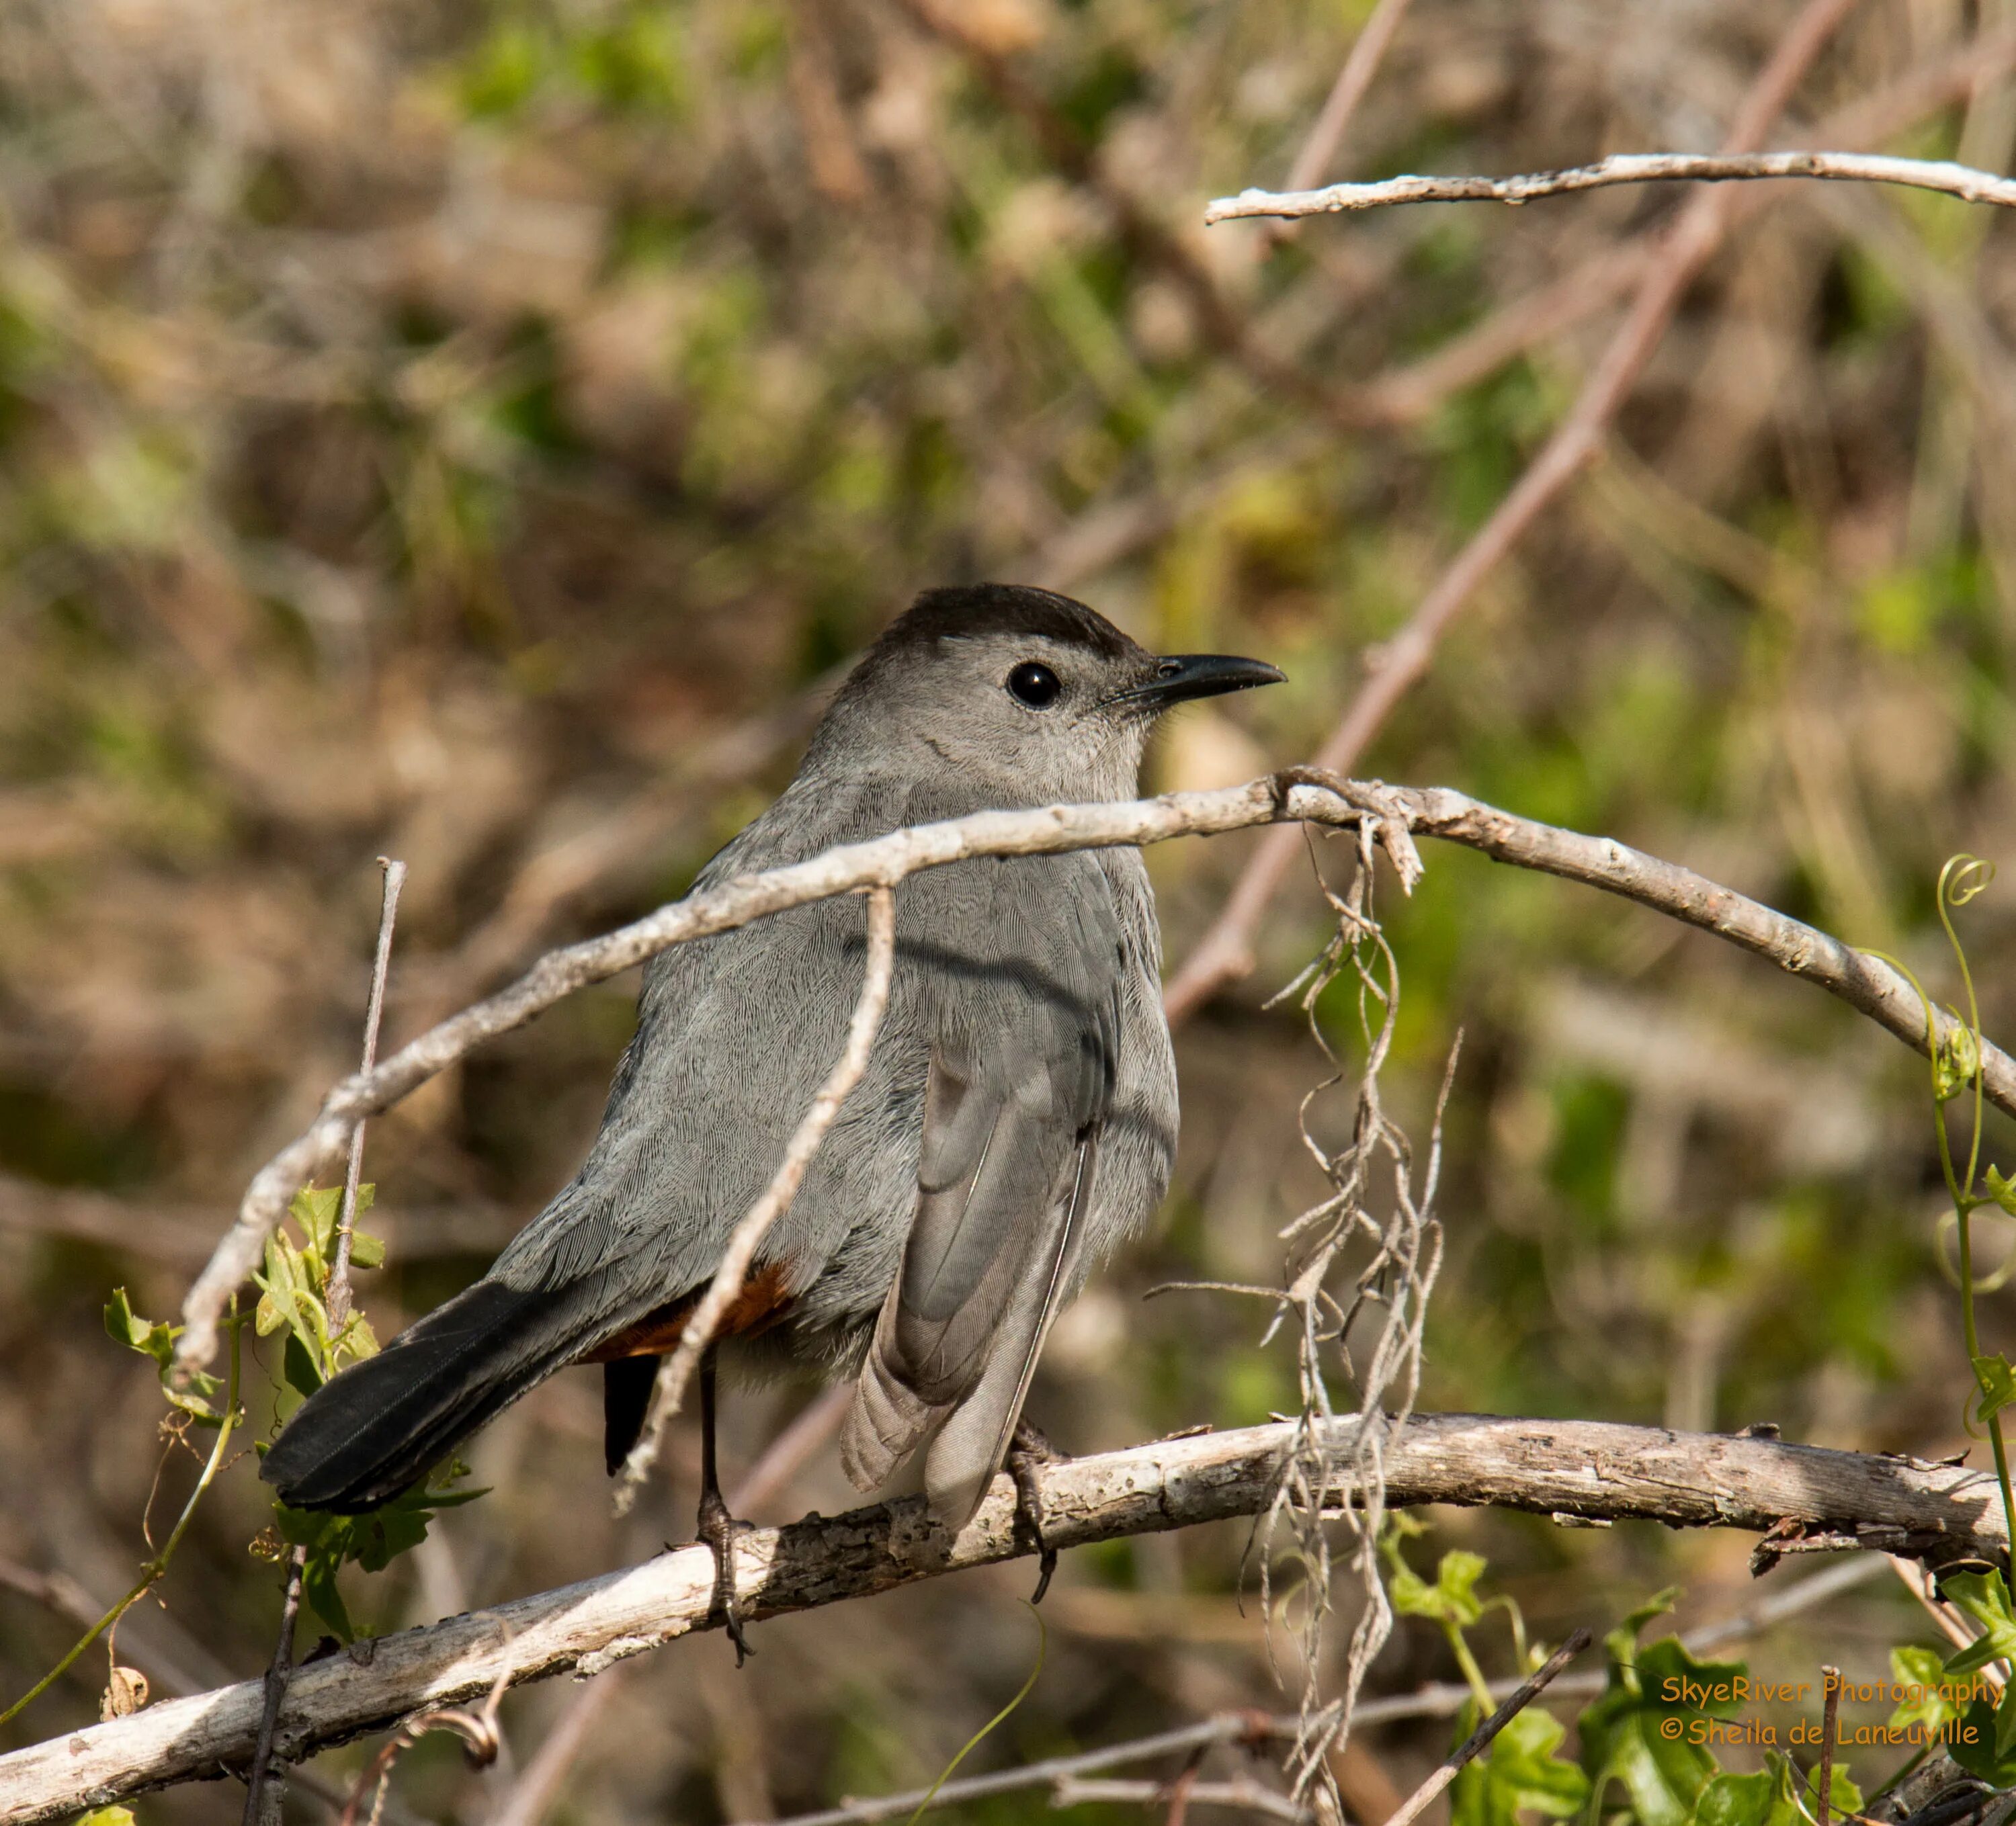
[[375, 1430]]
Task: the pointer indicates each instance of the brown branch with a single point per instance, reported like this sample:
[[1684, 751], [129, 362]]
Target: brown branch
[[1864, 981], [1479, 1741], [277, 1675], [1941, 174], [1225, 951], [1585, 1468], [668, 1388]]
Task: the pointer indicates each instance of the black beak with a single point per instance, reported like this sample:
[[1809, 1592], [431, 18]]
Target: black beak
[[1184, 676]]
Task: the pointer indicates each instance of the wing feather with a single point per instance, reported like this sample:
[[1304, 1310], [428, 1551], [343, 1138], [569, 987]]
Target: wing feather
[[1026, 1028]]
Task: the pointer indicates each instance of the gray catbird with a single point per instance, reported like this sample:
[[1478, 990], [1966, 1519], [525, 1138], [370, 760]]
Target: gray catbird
[[1016, 1120]]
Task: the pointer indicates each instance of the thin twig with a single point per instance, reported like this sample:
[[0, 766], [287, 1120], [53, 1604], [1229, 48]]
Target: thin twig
[[276, 1686], [477, 1727], [1251, 1728], [1863, 982], [674, 1373], [1941, 174], [1479, 1740], [1368, 49], [339, 1300], [1581, 1468], [1830, 1722], [1442, 1700], [1225, 951], [1245, 1794]]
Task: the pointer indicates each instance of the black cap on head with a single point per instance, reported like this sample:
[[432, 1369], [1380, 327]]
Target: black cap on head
[[983, 608]]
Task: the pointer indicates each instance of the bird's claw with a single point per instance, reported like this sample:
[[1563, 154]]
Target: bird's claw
[[717, 1530], [1027, 1457]]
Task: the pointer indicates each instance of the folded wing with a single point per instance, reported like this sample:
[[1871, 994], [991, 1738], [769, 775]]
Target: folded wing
[[1025, 1026]]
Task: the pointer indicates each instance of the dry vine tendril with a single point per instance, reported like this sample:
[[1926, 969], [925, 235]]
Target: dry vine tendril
[[1322, 1485]]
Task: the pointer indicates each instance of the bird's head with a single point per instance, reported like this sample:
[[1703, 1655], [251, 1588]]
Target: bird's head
[[1031, 694]]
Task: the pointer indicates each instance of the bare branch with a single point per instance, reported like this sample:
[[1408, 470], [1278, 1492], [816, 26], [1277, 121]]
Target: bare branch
[[1251, 1728], [1585, 1468], [669, 1389], [381, 965], [1479, 1741], [1245, 1794], [1864, 981], [1225, 951], [1941, 174], [1443, 1699]]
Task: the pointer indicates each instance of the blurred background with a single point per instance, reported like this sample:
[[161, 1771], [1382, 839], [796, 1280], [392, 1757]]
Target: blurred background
[[473, 432]]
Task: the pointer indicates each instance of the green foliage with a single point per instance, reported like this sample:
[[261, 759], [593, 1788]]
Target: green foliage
[[1985, 1744], [372, 1541], [105, 1816], [1521, 1772], [1777, 1794], [1452, 1601], [294, 1289], [157, 1339], [1646, 1732], [293, 1297], [1983, 1598], [1998, 1385]]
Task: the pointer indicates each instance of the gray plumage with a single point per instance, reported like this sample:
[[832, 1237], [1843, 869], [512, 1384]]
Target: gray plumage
[[1018, 1118]]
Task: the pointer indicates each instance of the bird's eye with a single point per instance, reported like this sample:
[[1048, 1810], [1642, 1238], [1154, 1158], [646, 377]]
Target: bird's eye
[[1035, 686]]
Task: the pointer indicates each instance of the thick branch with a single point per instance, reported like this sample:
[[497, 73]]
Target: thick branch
[[1859, 980], [1941, 174], [1583, 1468]]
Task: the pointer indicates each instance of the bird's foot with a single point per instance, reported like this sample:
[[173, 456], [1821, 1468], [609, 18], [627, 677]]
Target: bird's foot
[[718, 1530], [1027, 1455]]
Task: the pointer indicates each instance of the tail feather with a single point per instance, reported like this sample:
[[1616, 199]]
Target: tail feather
[[375, 1430]]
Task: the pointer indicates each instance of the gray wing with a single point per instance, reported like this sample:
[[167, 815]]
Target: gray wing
[[1024, 1023]]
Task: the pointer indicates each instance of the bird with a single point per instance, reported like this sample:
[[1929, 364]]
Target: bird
[[1016, 1121]]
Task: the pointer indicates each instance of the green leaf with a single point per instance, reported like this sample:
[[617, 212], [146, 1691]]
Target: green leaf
[[1638, 1732], [1983, 1597], [154, 1339], [318, 1587], [105, 1816], [299, 1368], [365, 1252], [1451, 1600], [1621, 1645], [1959, 1059], [1519, 1773], [157, 1339], [1928, 1704], [314, 1208], [1777, 1794], [1998, 1385], [1735, 1800], [1985, 1742], [372, 1541], [2002, 1190]]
